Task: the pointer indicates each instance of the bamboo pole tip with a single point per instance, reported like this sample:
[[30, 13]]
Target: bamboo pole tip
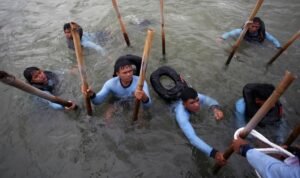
[[151, 30], [290, 75], [3, 74], [74, 25]]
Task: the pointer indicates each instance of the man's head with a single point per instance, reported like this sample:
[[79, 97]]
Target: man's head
[[256, 25], [35, 75], [190, 99], [261, 94], [67, 31], [123, 69]]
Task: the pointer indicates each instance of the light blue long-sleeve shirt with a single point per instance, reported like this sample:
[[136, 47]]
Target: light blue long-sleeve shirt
[[269, 167], [87, 42], [51, 104], [183, 117], [240, 109], [114, 86], [237, 32]]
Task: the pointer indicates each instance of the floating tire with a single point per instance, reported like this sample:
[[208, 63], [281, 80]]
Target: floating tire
[[167, 94]]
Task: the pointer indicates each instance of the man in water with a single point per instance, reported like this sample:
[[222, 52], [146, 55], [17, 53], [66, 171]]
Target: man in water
[[123, 85], [86, 39], [254, 96], [45, 81], [190, 103], [256, 33]]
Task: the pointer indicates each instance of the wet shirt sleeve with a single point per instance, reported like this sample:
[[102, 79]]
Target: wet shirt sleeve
[[146, 90], [240, 107], [87, 43], [232, 33], [207, 101], [182, 118], [51, 104], [273, 40], [103, 93], [269, 167]]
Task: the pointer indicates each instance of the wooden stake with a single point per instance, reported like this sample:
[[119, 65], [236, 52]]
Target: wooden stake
[[291, 40], [81, 66], [162, 27], [114, 2], [144, 64]]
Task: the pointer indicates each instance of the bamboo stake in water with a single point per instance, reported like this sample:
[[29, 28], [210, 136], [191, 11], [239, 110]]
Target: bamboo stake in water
[[144, 64], [114, 2], [291, 40], [81, 66], [293, 136], [163, 42]]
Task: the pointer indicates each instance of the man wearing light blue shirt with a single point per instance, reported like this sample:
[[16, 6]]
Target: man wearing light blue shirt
[[45, 81], [190, 103], [256, 33], [86, 39], [123, 86]]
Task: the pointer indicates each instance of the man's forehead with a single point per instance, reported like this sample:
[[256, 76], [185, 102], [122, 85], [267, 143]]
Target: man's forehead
[[191, 100], [126, 67]]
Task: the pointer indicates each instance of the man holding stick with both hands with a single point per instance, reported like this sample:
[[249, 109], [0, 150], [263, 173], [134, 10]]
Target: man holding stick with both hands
[[122, 86]]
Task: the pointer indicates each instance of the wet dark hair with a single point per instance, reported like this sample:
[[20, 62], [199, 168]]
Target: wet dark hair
[[28, 73], [188, 93], [67, 26], [264, 92], [261, 31], [121, 62]]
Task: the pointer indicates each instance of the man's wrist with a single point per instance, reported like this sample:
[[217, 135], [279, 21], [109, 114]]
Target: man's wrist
[[213, 153], [213, 107], [244, 149], [93, 96], [146, 100]]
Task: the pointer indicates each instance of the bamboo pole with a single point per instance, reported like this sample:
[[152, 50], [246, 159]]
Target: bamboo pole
[[114, 2], [13, 81], [245, 29], [81, 66], [293, 136], [144, 64], [163, 42], [290, 41], [263, 110]]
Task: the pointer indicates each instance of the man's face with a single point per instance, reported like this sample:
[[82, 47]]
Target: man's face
[[254, 27], [39, 77], [192, 105], [68, 34], [125, 73]]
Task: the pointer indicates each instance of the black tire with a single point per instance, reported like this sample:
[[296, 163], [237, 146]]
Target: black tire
[[167, 94]]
